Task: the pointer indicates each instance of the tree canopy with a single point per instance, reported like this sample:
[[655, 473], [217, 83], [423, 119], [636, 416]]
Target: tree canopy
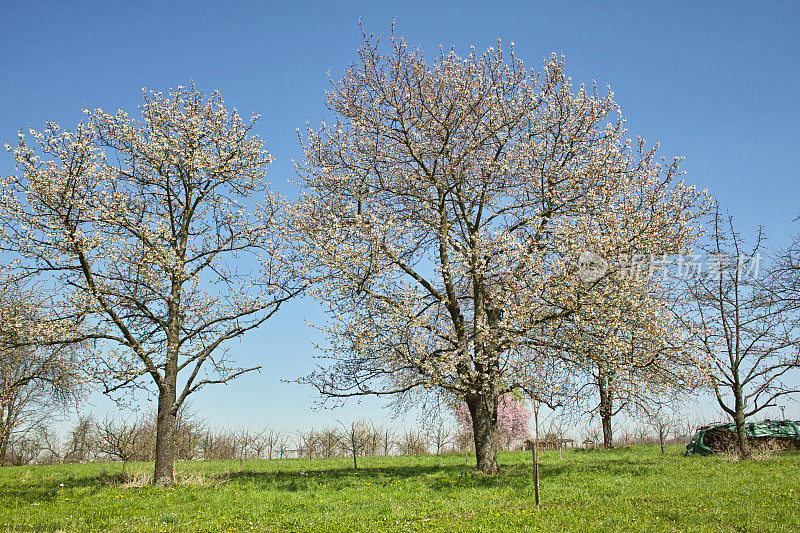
[[445, 207]]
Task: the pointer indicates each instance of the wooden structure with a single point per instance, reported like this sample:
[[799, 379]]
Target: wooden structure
[[550, 444]]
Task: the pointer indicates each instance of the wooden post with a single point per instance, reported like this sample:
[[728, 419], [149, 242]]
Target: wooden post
[[536, 451]]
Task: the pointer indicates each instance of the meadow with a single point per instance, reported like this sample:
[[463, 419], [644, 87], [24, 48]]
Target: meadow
[[625, 489]]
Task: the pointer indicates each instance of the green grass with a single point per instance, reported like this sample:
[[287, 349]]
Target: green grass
[[618, 490]]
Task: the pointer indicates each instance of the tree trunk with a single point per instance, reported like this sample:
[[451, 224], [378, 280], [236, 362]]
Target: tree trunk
[[606, 407], [608, 437], [167, 418], [5, 433], [483, 409], [537, 495], [742, 444], [165, 437], [4, 437]]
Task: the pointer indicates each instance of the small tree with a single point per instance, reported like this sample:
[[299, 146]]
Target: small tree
[[264, 443], [354, 439], [189, 432], [82, 441], [308, 443], [218, 445], [51, 445], [743, 326], [330, 441], [557, 428], [388, 438], [274, 440], [122, 439], [243, 440], [632, 350], [662, 419], [641, 434], [282, 446], [441, 436], [158, 228], [374, 441], [591, 434], [23, 451], [413, 442]]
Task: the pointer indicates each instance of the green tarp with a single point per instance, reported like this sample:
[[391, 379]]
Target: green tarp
[[767, 428]]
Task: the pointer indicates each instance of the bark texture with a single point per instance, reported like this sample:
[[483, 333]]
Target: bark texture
[[483, 409]]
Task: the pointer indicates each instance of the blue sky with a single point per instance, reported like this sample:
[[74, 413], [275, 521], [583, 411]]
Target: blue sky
[[716, 82]]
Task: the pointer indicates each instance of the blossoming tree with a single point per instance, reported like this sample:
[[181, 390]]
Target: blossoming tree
[[37, 376], [445, 205], [161, 234], [635, 352]]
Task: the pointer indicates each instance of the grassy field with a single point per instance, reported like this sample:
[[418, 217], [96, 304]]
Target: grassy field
[[597, 490]]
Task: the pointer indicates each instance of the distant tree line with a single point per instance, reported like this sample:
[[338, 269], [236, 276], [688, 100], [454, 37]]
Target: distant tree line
[[132, 439]]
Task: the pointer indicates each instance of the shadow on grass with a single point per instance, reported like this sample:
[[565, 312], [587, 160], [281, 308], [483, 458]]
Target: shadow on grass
[[437, 477], [54, 489]]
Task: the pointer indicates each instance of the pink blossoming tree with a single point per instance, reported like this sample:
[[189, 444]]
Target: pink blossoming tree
[[512, 421]]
